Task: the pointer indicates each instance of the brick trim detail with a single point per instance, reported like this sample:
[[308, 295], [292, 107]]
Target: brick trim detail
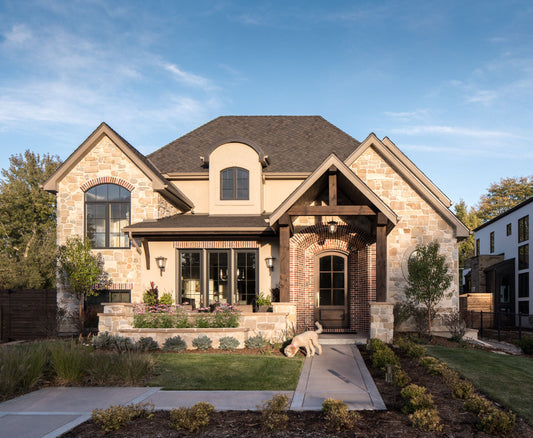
[[107, 180], [309, 243]]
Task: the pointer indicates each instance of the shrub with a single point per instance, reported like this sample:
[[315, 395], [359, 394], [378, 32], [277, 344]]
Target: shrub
[[455, 324], [146, 344], [151, 295], [497, 422], [257, 341], [274, 412], [526, 344], [383, 356], [377, 344], [103, 368], [478, 405], [135, 367], [337, 415], [69, 361], [166, 299], [462, 389], [426, 420], [193, 418], [417, 399], [433, 365], [416, 351], [228, 343], [175, 343], [117, 416], [400, 377], [202, 342], [112, 342], [21, 367]]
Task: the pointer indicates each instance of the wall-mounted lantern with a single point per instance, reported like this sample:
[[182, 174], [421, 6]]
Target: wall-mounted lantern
[[270, 263], [161, 263], [332, 227]]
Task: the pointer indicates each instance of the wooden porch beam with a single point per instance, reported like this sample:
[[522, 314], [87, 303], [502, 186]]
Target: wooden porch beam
[[146, 252], [381, 258], [332, 186], [284, 256], [328, 210]]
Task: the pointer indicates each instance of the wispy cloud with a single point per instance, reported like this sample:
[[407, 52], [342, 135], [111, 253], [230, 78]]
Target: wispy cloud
[[188, 78], [449, 130], [18, 34], [407, 116]]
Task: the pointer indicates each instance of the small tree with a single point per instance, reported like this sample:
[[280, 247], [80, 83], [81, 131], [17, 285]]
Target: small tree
[[81, 269], [429, 277]]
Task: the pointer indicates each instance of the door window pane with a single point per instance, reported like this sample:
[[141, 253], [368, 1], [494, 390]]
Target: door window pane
[[190, 278], [325, 297], [218, 280], [332, 281], [245, 274]]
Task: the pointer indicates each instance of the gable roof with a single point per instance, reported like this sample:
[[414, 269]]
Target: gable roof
[[292, 143], [505, 213], [414, 176], [159, 183], [333, 160]]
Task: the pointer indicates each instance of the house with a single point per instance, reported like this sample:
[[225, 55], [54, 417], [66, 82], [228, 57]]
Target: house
[[245, 205], [502, 261]]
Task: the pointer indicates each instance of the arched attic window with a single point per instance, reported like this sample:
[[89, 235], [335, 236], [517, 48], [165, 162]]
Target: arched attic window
[[107, 211], [234, 184]]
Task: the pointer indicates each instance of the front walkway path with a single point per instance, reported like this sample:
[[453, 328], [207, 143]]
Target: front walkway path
[[338, 373]]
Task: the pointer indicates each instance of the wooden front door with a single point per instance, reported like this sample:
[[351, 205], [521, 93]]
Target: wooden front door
[[331, 290]]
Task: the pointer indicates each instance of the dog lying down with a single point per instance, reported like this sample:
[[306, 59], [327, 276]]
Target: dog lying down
[[307, 340]]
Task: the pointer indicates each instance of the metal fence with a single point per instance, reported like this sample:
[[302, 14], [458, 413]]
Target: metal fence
[[499, 325]]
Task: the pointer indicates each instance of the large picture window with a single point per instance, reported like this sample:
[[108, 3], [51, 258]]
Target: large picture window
[[234, 184], [523, 257], [107, 211]]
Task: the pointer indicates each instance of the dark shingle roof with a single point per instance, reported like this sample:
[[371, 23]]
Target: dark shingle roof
[[292, 143]]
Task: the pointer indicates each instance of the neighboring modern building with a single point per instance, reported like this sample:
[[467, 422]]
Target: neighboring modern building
[[245, 205], [502, 263]]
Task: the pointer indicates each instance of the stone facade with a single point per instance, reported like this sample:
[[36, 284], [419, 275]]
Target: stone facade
[[381, 321]]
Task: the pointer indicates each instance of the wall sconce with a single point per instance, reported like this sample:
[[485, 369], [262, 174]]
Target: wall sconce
[[332, 227], [270, 263], [161, 263]]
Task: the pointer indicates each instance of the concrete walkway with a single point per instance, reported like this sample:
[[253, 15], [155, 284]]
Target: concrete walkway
[[339, 373]]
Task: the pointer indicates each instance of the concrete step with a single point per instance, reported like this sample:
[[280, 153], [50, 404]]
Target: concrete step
[[342, 338]]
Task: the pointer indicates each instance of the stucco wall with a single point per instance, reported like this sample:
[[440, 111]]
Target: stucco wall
[[419, 223]]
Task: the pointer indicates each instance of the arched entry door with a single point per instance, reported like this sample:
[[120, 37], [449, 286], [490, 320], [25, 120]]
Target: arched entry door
[[331, 290]]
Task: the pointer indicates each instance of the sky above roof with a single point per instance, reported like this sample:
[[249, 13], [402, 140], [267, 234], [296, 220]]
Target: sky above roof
[[449, 82]]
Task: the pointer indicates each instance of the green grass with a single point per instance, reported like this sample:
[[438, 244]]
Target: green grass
[[505, 379], [226, 372]]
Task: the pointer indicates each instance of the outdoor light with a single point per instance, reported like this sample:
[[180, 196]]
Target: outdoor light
[[332, 227], [270, 263], [161, 263]]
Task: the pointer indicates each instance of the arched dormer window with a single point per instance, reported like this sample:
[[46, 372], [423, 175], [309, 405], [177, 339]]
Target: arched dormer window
[[107, 211], [234, 184]]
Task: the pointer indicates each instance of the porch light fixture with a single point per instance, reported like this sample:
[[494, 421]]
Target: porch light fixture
[[161, 263], [332, 227], [270, 263]]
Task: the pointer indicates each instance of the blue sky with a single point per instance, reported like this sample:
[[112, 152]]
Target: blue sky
[[450, 82]]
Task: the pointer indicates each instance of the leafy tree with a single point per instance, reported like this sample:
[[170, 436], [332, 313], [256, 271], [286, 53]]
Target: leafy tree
[[504, 195], [429, 277], [81, 270], [27, 222], [470, 218]]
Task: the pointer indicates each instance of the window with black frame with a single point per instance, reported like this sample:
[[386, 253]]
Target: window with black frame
[[234, 184], [523, 229], [107, 211], [523, 285], [523, 257], [245, 276]]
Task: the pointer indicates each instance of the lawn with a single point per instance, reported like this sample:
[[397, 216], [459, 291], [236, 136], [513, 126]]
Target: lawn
[[225, 372], [506, 379]]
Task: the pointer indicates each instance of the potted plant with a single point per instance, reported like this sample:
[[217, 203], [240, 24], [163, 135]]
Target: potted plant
[[263, 303]]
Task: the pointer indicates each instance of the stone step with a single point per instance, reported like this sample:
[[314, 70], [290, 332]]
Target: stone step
[[342, 338]]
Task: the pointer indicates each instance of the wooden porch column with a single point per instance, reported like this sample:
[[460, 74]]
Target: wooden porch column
[[332, 171], [381, 258], [284, 256]]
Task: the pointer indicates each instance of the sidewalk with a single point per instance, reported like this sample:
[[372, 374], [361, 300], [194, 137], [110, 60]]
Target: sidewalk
[[339, 373]]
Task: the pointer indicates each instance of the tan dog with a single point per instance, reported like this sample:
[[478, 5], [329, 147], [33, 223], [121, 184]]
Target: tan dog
[[307, 340]]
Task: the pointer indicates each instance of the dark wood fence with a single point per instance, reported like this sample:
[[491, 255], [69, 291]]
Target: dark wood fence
[[27, 314]]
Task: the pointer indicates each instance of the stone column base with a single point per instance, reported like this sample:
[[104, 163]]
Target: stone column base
[[381, 321]]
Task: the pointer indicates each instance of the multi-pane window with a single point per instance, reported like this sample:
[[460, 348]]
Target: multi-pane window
[[523, 307], [332, 280], [492, 242], [107, 211], [191, 282], [523, 229], [523, 285], [509, 229], [218, 276], [523, 257], [246, 276], [234, 184]]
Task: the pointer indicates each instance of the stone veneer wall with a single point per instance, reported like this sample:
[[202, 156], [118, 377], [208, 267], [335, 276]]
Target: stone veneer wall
[[106, 163], [419, 223], [117, 319]]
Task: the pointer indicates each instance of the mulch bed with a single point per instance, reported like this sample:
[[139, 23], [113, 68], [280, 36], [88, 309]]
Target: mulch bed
[[390, 423]]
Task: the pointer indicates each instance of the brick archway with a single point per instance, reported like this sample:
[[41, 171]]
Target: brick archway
[[306, 244], [106, 180]]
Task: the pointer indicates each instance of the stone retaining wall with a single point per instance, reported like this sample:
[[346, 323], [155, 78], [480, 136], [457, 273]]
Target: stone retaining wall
[[276, 326]]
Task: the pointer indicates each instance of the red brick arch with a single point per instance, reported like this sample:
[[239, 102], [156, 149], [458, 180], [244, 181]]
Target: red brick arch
[[107, 180], [306, 245]]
